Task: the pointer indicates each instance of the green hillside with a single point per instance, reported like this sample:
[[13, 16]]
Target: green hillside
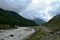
[[12, 18], [54, 23], [53, 26]]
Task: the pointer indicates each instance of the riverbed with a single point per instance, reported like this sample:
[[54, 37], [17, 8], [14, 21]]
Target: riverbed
[[21, 33]]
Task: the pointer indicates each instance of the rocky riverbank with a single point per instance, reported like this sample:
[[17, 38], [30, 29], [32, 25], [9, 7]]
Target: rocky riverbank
[[20, 33]]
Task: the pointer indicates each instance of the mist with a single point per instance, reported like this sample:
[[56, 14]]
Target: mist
[[31, 9]]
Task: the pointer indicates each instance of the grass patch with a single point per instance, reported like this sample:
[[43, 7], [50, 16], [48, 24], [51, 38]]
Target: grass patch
[[37, 36], [5, 27]]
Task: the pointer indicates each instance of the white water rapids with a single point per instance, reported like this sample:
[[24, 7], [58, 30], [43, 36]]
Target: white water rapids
[[21, 33]]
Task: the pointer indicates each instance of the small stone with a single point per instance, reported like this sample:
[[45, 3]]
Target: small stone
[[12, 35], [58, 32]]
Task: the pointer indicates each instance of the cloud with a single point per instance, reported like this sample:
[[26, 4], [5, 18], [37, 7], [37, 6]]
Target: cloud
[[55, 8], [44, 9], [30, 9], [14, 5]]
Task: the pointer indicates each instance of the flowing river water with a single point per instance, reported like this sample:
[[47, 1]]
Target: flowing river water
[[20, 33]]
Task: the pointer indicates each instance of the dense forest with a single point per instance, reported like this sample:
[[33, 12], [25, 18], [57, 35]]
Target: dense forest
[[12, 18]]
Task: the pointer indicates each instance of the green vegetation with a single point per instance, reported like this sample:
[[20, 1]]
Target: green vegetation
[[9, 17], [53, 25], [37, 35], [12, 18], [4, 27]]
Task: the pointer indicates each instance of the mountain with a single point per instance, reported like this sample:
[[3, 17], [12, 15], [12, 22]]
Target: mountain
[[53, 24], [39, 21], [54, 21], [48, 31], [12, 18]]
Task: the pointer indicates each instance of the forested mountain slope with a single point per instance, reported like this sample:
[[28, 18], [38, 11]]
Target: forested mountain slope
[[12, 18]]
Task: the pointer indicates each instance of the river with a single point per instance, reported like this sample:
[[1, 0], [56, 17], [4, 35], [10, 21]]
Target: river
[[21, 33]]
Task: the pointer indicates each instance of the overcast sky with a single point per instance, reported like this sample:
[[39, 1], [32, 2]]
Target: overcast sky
[[30, 9]]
